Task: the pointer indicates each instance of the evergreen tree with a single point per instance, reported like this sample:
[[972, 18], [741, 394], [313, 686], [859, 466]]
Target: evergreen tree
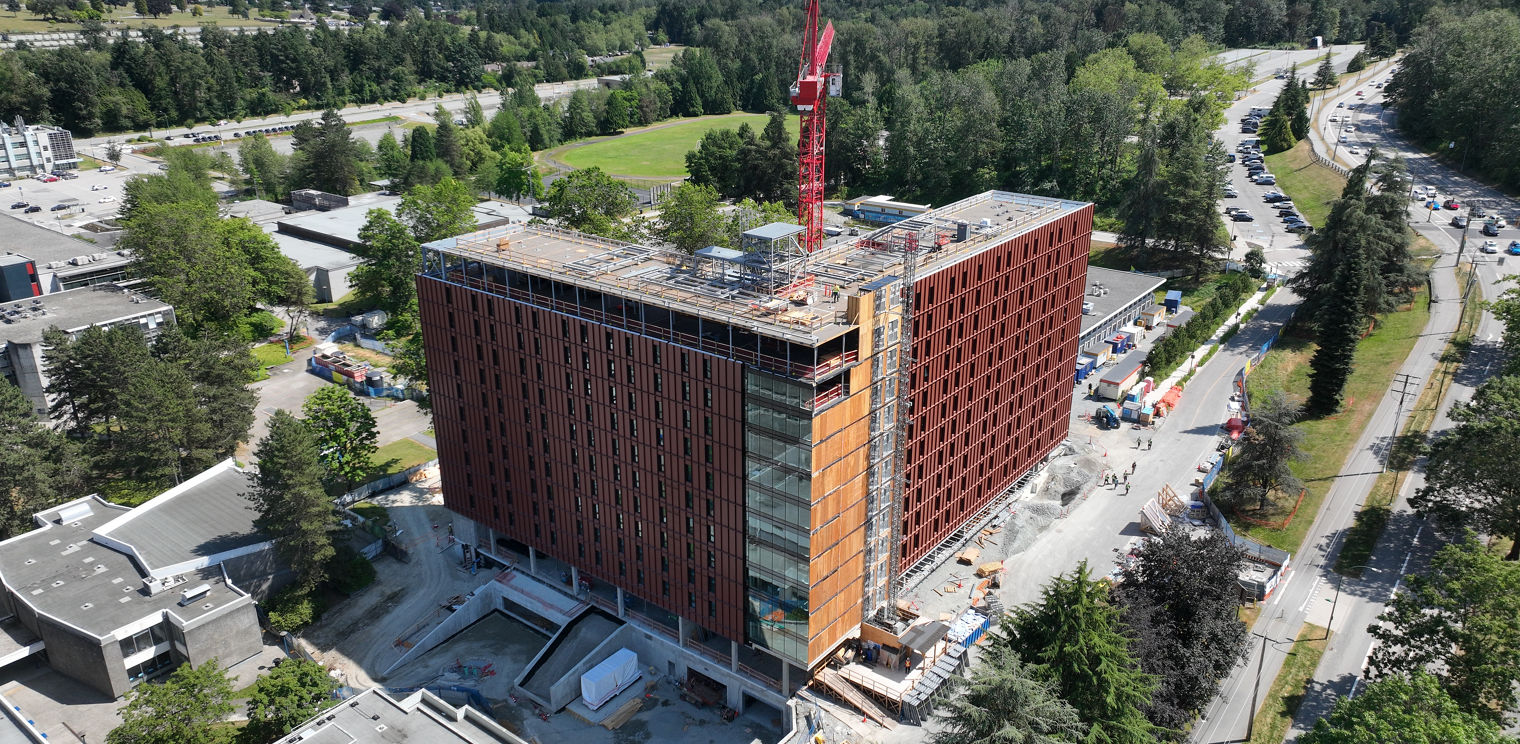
[[474, 114], [580, 119], [446, 141], [294, 510], [39, 467], [1074, 638], [391, 160], [768, 165], [1340, 330], [1470, 481], [1357, 63], [716, 162], [1277, 133], [420, 144], [346, 434], [327, 157], [1268, 446], [1325, 76], [1004, 701]]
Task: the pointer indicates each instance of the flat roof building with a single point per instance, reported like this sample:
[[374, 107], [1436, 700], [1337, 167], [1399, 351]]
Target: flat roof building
[[374, 717], [115, 595], [1116, 298], [22, 325], [29, 149], [718, 439], [60, 262]]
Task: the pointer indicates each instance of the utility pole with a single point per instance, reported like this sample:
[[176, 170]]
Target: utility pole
[[1403, 381]]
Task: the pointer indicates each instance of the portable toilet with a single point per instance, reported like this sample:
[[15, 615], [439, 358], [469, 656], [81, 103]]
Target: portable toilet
[[1173, 300]]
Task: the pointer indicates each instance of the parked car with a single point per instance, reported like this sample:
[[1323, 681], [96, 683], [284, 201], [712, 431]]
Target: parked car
[[1266, 179], [1514, 247], [49, 179], [4, 184], [1452, 204], [1497, 221], [1477, 211], [31, 209], [1285, 204], [1274, 196], [20, 205], [1242, 217], [1300, 228], [59, 207], [69, 176], [1229, 157], [1490, 246], [99, 187], [1490, 229], [1459, 221], [106, 199], [1231, 210], [107, 168]]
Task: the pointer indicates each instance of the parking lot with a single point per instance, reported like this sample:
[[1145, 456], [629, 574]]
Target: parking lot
[[90, 197]]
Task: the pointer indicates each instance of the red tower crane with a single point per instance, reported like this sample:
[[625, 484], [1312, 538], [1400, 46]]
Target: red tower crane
[[810, 94]]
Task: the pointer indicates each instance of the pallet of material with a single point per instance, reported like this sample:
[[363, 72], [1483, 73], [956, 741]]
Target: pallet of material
[[968, 556], [629, 710], [988, 569]]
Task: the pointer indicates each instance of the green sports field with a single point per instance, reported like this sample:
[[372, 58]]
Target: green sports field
[[655, 152]]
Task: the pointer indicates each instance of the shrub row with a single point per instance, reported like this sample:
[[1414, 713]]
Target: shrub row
[[1170, 351]]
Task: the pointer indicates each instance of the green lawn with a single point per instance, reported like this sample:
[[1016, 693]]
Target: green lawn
[[273, 355], [1329, 439], [26, 22], [660, 58], [1311, 185], [656, 152], [1288, 689], [398, 456]]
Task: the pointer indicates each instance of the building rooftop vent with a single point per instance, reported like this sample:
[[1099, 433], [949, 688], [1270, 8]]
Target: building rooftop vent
[[193, 594]]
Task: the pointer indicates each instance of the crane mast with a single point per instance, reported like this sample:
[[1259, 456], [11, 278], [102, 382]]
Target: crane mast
[[810, 95]]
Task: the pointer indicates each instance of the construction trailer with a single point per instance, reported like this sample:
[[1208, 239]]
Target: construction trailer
[[1122, 376]]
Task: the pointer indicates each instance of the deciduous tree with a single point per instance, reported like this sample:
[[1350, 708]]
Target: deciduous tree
[[689, 218], [1471, 483], [294, 510], [186, 708], [1180, 601], [346, 434], [1457, 620], [591, 201], [443, 210], [388, 262], [287, 696], [1399, 709]]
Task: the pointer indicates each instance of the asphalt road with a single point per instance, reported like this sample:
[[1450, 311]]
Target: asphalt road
[[1315, 593]]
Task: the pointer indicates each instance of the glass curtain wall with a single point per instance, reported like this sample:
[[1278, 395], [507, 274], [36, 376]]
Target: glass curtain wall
[[778, 441]]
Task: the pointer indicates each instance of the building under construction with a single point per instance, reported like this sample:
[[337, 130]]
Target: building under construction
[[750, 449]]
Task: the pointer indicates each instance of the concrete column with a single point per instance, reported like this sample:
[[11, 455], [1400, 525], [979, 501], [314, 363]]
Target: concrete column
[[680, 630], [733, 656], [786, 678], [622, 608], [575, 581], [532, 561]]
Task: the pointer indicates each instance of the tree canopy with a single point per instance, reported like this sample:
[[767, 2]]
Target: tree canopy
[[1401, 709], [346, 434], [1458, 621], [1005, 701], [183, 709], [294, 510], [1469, 482], [591, 201], [288, 695]]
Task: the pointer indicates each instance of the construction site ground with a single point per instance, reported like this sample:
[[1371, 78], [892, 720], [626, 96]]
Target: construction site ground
[[490, 654], [366, 633]]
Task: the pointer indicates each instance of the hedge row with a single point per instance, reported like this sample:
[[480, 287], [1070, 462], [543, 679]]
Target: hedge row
[[1172, 350]]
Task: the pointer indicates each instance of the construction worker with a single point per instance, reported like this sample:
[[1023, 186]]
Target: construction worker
[[1126, 489], [1132, 466], [1126, 479]]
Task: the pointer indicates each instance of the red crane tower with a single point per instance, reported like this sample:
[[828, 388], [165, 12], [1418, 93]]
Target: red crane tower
[[809, 94]]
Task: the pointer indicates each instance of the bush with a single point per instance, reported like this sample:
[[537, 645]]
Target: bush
[[290, 610], [350, 571], [259, 325]]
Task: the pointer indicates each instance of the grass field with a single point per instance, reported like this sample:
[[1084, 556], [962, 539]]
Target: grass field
[[273, 355], [656, 152], [1288, 689], [659, 57], [1329, 439], [26, 23], [1311, 185], [1356, 551], [398, 456]]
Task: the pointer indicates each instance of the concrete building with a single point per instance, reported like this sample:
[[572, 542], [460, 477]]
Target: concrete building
[[30, 149], [711, 444], [1114, 299], [373, 717], [60, 262], [22, 325], [112, 596]]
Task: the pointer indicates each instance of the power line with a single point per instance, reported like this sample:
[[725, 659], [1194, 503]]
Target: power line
[[1403, 381]]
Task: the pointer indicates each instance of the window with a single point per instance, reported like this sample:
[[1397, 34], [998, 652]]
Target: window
[[685, 391], [706, 368]]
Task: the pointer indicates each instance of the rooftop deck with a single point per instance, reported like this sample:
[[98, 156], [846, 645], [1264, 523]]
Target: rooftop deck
[[808, 310]]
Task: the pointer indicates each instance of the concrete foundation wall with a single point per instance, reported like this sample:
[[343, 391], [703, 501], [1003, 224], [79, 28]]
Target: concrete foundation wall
[[84, 658], [230, 636], [483, 602], [567, 688]]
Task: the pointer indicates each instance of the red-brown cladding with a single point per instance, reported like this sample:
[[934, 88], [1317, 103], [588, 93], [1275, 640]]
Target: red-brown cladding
[[994, 337], [609, 451]]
